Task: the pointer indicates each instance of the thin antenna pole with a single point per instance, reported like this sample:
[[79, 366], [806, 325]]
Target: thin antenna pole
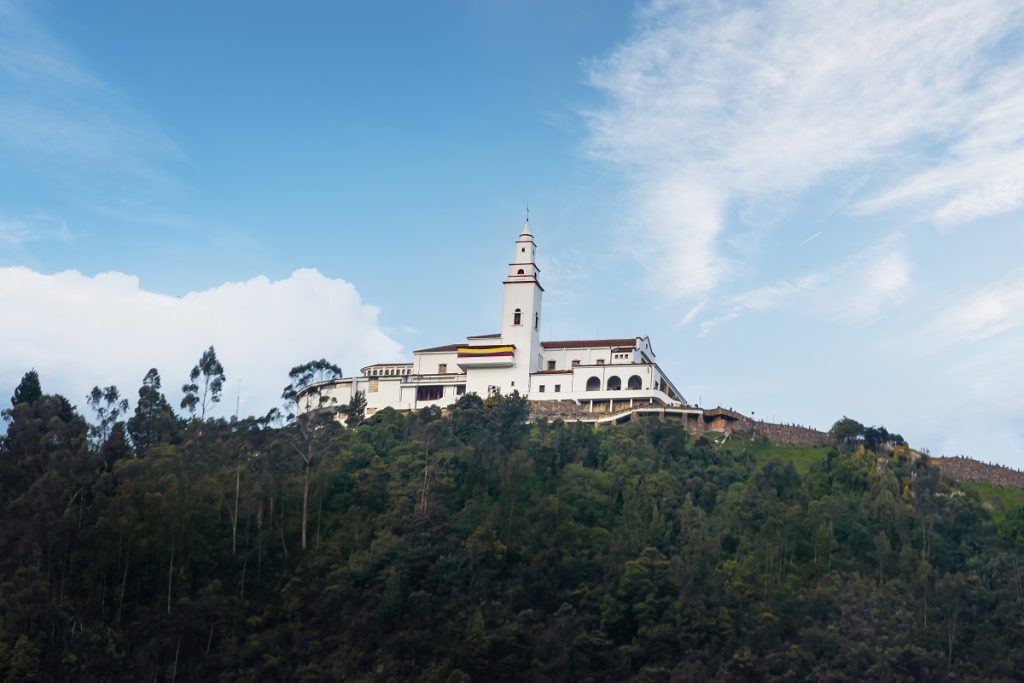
[[238, 398]]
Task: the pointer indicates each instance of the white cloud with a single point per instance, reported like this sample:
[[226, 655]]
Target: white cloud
[[713, 104], [975, 344], [80, 331], [983, 172], [855, 292], [989, 312]]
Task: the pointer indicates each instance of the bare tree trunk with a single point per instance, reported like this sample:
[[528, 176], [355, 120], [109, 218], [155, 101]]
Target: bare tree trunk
[[63, 573], [305, 506], [124, 581], [259, 540], [319, 516], [174, 670], [170, 578], [234, 519], [1020, 584], [511, 509], [950, 636], [245, 560], [426, 488]]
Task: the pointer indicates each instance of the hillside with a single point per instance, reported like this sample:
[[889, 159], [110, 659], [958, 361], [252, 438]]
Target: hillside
[[1000, 488], [475, 546]]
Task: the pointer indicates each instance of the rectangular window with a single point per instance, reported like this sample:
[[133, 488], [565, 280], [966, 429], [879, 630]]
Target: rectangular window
[[430, 393], [551, 365], [460, 389], [558, 388], [442, 368], [374, 386], [541, 388], [575, 363], [600, 361]]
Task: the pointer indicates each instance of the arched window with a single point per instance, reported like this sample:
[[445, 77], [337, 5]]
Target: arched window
[[614, 383], [517, 317], [635, 383], [593, 384], [520, 272]]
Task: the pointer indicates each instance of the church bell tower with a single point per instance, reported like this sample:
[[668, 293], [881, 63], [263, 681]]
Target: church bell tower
[[520, 324]]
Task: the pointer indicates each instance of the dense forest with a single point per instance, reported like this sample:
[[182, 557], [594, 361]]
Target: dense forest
[[164, 545]]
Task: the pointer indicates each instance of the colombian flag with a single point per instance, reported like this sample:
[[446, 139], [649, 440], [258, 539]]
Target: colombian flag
[[486, 351]]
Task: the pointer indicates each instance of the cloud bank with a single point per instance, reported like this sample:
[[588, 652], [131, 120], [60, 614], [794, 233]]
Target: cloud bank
[[710, 106], [80, 331], [854, 292]]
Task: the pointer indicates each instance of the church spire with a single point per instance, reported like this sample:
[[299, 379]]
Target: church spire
[[526, 226]]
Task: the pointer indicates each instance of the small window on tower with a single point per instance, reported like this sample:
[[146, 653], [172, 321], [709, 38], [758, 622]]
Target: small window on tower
[[576, 363], [521, 272], [551, 365], [517, 317], [536, 321], [522, 250]]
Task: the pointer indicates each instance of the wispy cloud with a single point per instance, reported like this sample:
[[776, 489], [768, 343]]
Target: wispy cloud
[[855, 292], [714, 105], [54, 109], [986, 313], [31, 55], [982, 174], [18, 231]]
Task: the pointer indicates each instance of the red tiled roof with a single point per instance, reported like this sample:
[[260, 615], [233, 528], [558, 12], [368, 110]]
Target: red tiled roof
[[432, 349], [589, 343], [456, 347]]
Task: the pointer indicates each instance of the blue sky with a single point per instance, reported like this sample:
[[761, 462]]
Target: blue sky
[[813, 209]]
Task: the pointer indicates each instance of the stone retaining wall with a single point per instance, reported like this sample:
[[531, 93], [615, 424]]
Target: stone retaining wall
[[967, 469], [791, 435], [716, 420]]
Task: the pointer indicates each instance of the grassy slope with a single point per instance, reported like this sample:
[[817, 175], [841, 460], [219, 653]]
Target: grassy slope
[[996, 498], [802, 457]]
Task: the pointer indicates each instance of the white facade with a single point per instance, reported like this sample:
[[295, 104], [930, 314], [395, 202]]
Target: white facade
[[605, 375]]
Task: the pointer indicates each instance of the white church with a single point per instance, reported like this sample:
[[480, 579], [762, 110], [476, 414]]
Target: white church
[[590, 380]]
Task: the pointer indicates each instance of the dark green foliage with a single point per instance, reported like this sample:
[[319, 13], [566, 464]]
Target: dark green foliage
[[474, 547], [28, 390], [154, 421], [308, 374], [355, 411], [849, 431], [206, 382], [108, 407]]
